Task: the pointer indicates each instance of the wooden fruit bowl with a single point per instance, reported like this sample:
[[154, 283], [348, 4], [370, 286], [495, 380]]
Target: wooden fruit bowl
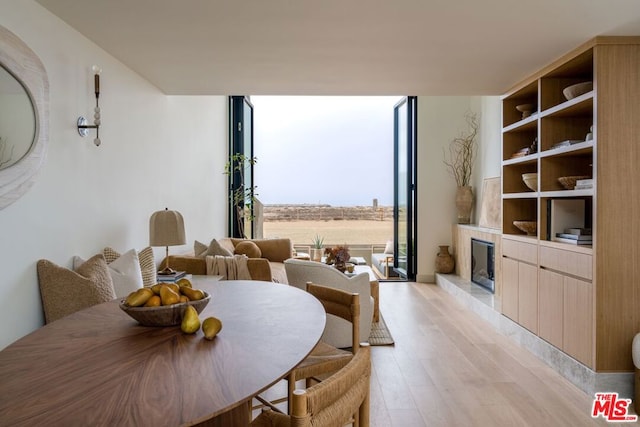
[[167, 315]]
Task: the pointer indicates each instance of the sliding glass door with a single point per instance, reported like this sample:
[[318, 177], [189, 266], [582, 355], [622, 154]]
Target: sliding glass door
[[240, 167], [404, 209]]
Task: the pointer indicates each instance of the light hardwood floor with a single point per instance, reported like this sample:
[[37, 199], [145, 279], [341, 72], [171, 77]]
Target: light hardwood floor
[[449, 367]]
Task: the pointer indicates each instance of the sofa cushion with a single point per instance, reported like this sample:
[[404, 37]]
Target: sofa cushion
[[215, 248], [146, 259], [278, 273], [248, 248], [124, 271], [275, 250], [65, 291]]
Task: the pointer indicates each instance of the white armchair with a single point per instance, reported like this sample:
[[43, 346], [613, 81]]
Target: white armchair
[[337, 331]]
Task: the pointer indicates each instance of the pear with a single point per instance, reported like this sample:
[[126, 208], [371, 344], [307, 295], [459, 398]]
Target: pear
[[168, 296], [184, 282], [154, 301], [138, 297], [190, 321], [210, 327], [192, 294]]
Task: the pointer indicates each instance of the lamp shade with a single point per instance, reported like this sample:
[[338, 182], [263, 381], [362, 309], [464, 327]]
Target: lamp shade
[[166, 228]]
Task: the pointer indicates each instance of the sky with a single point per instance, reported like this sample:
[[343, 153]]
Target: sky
[[332, 150]]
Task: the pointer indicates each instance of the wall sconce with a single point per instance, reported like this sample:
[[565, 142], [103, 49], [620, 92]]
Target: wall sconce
[[83, 127]]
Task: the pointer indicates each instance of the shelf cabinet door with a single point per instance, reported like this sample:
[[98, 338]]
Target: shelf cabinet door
[[528, 296], [550, 307], [510, 288], [578, 319]]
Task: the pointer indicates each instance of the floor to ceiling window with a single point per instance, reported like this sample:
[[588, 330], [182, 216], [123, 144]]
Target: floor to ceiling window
[[325, 167]]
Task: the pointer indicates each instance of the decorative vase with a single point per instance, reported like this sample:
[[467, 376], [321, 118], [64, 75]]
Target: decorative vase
[[444, 261], [464, 204], [316, 254]]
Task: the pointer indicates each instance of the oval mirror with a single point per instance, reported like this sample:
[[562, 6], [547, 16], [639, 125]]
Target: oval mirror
[[24, 117], [17, 120]]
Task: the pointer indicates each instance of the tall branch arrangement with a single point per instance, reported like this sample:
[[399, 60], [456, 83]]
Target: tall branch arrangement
[[462, 152]]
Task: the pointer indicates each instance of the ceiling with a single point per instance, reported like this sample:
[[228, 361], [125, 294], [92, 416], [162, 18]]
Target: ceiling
[[342, 47]]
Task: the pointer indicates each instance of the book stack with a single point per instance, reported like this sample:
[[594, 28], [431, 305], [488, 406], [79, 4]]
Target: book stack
[[170, 277], [567, 143], [521, 153], [575, 236], [584, 184]]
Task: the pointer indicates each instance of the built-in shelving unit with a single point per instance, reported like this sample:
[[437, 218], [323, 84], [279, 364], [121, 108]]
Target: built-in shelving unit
[[581, 299]]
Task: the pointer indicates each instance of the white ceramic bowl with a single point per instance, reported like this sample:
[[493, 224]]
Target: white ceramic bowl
[[531, 180], [578, 89]]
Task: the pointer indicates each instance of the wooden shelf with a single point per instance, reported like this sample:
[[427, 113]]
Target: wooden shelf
[[579, 148], [525, 124], [605, 284], [524, 160]]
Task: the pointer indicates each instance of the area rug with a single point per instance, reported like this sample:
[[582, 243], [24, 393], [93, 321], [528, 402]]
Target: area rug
[[380, 334]]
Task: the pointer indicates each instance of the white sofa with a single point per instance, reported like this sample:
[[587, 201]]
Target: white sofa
[[337, 331]]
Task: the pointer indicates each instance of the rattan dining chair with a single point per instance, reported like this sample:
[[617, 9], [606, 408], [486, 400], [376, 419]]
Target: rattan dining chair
[[338, 400], [325, 359]]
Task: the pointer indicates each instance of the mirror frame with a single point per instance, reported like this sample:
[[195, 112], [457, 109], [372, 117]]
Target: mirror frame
[[21, 62]]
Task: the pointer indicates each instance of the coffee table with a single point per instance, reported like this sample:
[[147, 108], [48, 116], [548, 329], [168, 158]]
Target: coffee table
[[98, 366], [375, 288]]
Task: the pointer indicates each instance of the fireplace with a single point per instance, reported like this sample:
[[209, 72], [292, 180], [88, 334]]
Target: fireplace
[[482, 264]]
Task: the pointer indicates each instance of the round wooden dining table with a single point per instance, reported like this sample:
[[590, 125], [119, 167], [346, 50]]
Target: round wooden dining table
[[99, 367]]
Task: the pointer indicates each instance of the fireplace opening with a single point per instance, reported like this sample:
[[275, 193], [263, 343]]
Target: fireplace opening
[[482, 264]]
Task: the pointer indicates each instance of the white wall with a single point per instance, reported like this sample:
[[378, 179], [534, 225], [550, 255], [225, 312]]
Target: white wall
[[157, 151], [440, 119]]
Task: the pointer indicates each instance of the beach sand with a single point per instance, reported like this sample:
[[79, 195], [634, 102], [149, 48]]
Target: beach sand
[[335, 232]]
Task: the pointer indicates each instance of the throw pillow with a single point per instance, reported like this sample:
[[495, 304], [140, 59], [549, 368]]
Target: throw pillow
[[65, 291], [248, 248], [124, 271], [201, 250], [146, 259], [388, 249]]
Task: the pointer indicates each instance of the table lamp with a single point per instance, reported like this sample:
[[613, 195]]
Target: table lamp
[[166, 228]]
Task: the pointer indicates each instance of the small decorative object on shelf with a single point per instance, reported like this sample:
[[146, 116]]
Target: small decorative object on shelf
[[528, 227], [576, 90], [444, 261], [531, 180], [589, 136], [525, 109], [338, 256], [569, 182]]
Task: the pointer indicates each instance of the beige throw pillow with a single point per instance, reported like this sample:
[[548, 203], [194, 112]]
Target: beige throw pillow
[[146, 259], [124, 271], [202, 251], [65, 291]]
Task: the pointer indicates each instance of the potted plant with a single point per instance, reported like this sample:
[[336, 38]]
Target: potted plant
[[243, 197], [460, 161], [338, 256], [316, 249]]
